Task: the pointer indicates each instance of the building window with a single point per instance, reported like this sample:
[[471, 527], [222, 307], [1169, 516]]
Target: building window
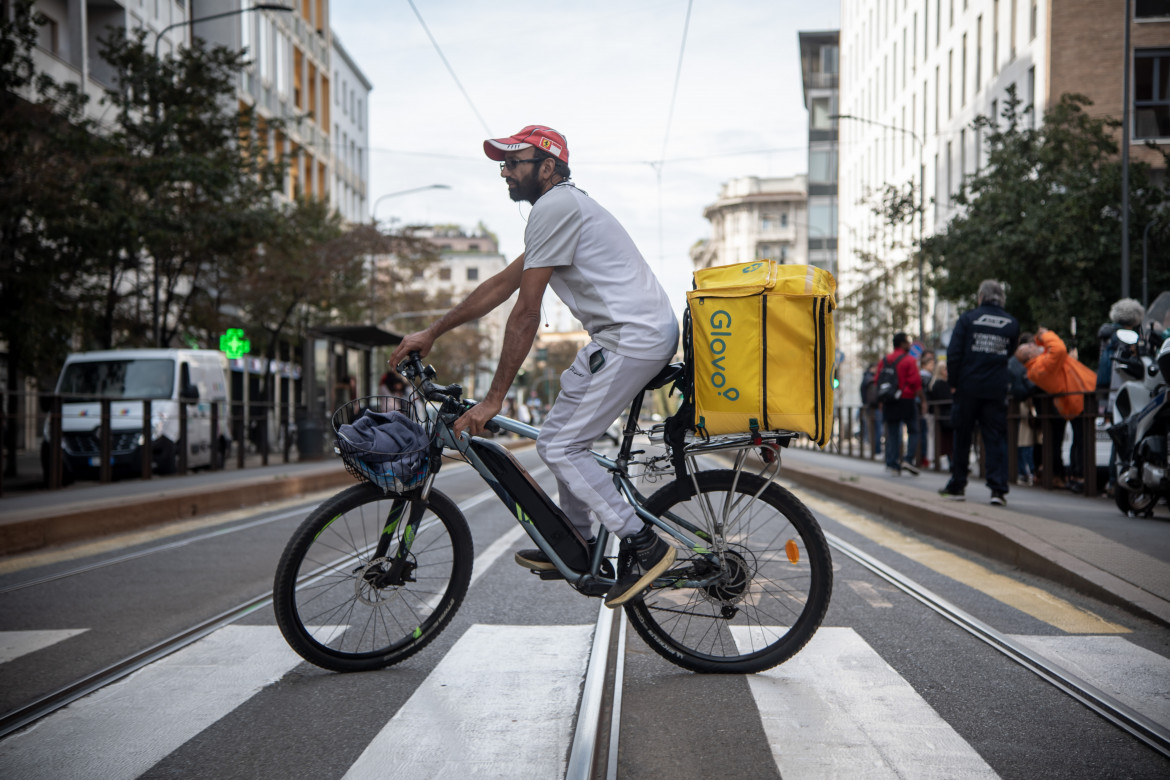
[[472, 274], [822, 219], [822, 166], [1151, 94], [962, 156], [950, 83], [1146, 9], [994, 37], [49, 37], [978, 54], [963, 75], [444, 274], [820, 109], [1032, 96], [1013, 28]]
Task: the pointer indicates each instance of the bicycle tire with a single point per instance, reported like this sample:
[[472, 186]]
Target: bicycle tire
[[776, 566], [327, 604]]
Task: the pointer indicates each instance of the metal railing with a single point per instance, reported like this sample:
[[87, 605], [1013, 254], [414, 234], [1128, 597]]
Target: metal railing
[[847, 438], [239, 434]]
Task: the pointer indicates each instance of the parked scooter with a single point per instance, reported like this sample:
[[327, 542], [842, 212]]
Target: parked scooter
[[1141, 426]]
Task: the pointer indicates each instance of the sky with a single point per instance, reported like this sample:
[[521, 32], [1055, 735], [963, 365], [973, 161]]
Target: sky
[[601, 72]]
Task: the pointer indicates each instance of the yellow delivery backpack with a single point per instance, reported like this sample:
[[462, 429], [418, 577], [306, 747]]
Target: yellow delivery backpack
[[763, 349]]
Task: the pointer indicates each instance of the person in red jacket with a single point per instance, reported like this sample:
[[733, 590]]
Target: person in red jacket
[[901, 411]]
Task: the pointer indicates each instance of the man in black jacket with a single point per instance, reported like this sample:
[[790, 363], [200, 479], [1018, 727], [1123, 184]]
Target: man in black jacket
[[981, 343]]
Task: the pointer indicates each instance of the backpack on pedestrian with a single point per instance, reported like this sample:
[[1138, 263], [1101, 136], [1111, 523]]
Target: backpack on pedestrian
[[887, 385]]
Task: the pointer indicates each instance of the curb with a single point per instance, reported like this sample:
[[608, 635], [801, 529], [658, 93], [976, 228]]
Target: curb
[[970, 529], [32, 530]]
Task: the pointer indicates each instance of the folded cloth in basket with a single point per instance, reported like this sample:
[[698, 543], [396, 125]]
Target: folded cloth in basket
[[392, 440]]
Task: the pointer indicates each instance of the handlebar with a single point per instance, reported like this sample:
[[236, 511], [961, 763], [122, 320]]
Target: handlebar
[[449, 397]]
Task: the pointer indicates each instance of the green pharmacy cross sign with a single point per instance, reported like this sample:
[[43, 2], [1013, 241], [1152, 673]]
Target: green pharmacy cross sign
[[234, 343]]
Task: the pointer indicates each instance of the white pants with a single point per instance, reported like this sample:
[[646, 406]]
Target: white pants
[[588, 403]]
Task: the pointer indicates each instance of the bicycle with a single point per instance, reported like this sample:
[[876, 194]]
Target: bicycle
[[377, 571]]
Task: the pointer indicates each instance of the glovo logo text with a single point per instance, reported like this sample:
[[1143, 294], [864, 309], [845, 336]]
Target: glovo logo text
[[716, 346]]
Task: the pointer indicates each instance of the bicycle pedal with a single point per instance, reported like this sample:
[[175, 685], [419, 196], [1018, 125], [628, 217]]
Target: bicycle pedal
[[548, 574]]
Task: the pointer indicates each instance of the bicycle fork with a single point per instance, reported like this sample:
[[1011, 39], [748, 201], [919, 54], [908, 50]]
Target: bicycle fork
[[402, 565]]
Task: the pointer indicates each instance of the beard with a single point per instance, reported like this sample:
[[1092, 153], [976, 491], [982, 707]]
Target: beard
[[527, 187]]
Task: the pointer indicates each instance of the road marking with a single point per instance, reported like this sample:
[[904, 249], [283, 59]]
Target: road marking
[[14, 644], [1135, 676], [871, 594], [836, 709], [124, 729], [1038, 603], [502, 700]]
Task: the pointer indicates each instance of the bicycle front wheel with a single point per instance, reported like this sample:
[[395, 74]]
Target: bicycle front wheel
[[359, 587], [768, 592]]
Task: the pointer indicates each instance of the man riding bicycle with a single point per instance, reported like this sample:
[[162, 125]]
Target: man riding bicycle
[[591, 263]]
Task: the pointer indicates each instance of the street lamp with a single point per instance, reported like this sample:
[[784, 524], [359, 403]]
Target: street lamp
[[374, 221], [921, 207], [236, 12], [374, 210]]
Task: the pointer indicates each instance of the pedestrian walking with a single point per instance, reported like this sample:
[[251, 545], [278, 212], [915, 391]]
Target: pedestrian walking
[[982, 341], [900, 410]]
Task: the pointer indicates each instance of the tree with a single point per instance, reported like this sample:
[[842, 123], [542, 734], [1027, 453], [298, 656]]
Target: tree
[[195, 177], [1041, 217], [46, 153]]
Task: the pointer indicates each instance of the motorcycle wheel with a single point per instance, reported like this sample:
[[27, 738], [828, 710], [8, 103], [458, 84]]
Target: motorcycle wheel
[[1133, 504]]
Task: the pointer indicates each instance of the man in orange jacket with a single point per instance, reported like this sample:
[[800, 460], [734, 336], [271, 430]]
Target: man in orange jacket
[[1054, 371]]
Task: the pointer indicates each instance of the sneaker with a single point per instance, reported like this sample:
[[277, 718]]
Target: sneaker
[[998, 499], [535, 560], [652, 557], [910, 467], [950, 494], [893, 471]]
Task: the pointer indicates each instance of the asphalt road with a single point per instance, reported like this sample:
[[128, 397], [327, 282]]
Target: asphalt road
[[888, 687]]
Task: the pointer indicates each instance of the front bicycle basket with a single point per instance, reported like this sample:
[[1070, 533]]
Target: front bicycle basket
[[384, 440]]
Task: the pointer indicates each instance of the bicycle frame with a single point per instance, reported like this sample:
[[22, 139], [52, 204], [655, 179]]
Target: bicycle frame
[[540, 510]]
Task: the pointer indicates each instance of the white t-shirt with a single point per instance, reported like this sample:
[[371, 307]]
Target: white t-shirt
[[600, 275]]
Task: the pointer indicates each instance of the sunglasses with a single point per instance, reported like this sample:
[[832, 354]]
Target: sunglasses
[[511, 164]]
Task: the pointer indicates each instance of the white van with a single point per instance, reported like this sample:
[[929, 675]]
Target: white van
[[127, 376]]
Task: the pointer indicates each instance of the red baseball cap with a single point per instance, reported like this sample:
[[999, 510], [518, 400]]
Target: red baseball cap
[[543, 138]]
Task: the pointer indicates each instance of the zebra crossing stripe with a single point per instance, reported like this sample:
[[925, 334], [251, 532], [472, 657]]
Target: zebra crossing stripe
[[837, 709], [124, 729], [14, 644], [503, 700]]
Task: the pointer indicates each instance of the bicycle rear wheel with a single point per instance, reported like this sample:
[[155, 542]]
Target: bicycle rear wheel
[[774, 577], [359, 587]]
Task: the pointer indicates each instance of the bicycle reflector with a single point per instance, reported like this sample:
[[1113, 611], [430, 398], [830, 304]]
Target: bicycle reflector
[[793, 551]]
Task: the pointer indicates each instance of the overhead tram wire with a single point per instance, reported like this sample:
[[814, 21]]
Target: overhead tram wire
[[657, 166], [450, 70]]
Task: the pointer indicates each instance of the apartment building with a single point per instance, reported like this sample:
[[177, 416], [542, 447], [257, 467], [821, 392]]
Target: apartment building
[[292, 57], [467, 258], [916, 73], [819, 58], [756, 218], [349, 194]]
